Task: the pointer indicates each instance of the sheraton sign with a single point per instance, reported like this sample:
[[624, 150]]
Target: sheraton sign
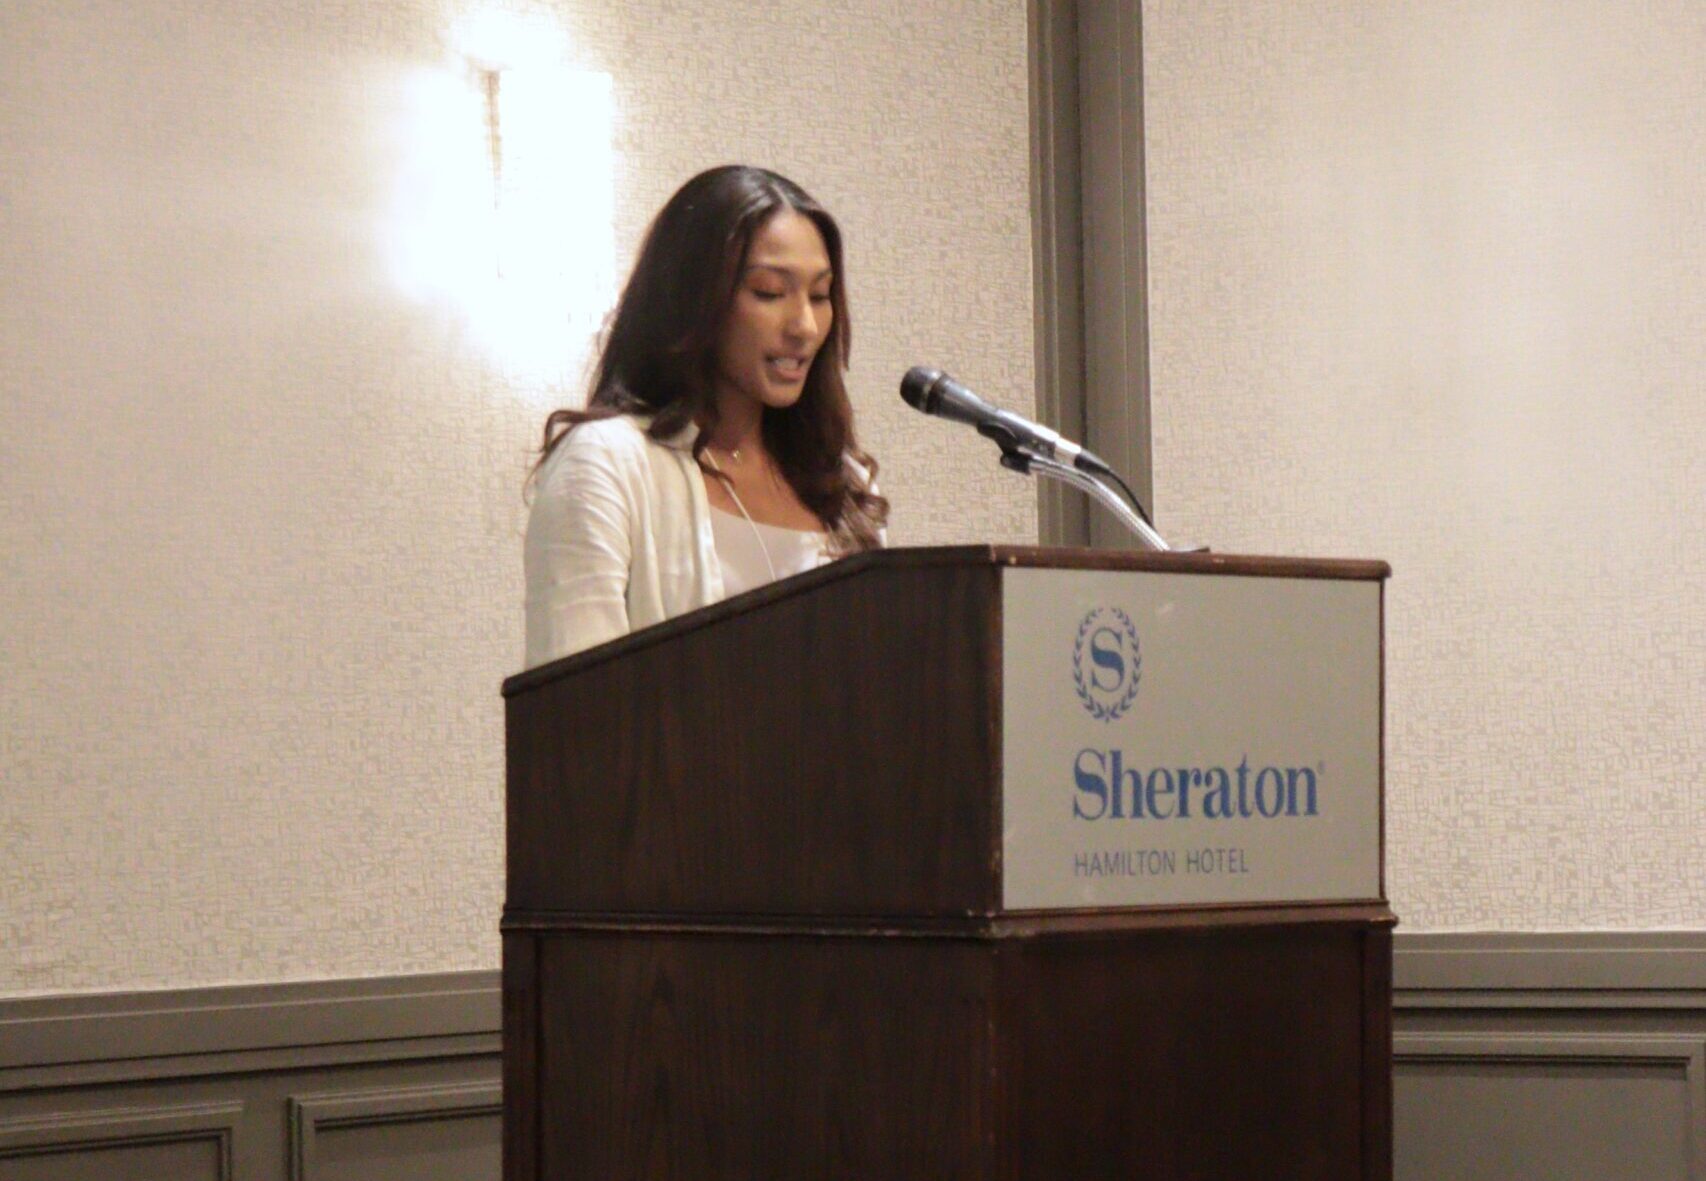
[[1178, 739]]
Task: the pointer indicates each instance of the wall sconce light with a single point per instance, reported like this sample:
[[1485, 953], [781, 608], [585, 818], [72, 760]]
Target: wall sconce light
[[507, 202]]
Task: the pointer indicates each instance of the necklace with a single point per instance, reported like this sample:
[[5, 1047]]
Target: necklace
[[729, 486]]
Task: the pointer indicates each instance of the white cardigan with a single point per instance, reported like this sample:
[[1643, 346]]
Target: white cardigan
[[619, 538]]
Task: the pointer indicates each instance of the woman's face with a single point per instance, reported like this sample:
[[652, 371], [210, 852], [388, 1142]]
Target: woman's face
[[780, 316]]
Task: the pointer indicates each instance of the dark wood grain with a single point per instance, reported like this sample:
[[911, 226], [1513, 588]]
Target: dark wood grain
[[1168, 1053], [1175, 1055], [521, 1054], [1377, 1053], [830, 753], [1060, 924], [706, 1057]]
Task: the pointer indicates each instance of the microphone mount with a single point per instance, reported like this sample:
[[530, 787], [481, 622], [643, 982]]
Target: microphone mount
[[1015, 457]]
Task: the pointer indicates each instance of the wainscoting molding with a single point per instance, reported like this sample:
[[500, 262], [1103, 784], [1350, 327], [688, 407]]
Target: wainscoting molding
[[127, 1140], [313, 1117], [1560, 1056], [309, 1081]]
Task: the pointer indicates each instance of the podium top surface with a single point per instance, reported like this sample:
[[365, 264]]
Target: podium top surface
[[962, 556]]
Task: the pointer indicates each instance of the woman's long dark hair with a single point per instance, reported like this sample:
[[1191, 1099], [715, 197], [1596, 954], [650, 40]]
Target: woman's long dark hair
[[659, 355]]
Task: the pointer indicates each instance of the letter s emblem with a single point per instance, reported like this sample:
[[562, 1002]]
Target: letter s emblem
[[1107, 663], [1106, 656]]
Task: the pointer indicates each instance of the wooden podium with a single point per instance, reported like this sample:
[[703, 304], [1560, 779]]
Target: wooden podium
[[760, 919]]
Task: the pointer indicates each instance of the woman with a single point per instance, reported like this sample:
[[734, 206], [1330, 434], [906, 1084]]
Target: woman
[[717, 449]]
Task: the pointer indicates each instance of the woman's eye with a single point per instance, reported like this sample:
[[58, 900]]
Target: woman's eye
[[820, 297], [767, 296]]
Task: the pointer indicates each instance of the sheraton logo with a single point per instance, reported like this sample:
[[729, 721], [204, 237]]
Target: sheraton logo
[[1107, 668], [1107, 787], [1107, 663]]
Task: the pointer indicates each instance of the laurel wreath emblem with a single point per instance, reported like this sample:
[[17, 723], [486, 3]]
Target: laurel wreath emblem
[[1134, 674]]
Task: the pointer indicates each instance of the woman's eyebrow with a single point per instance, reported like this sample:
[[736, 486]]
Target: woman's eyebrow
[[788, 271]]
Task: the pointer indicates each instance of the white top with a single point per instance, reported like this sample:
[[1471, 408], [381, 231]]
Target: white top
[[620, 537], [749, 551]]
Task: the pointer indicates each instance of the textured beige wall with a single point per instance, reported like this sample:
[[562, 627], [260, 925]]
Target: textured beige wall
[[1428, 283], [259, 553]]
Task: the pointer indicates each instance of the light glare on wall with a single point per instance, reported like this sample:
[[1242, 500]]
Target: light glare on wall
[[505, 205], [496, 39]]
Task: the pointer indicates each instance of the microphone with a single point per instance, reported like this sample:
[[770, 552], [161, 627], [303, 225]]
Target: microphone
[[934, 392]]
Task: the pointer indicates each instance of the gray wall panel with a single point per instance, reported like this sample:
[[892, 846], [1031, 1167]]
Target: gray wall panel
[[413, 1150], [1563, 1108], [1557, 1056], [366, 1078], [414, 1132], [1057, 232], [179, 1160], [187, 1141]]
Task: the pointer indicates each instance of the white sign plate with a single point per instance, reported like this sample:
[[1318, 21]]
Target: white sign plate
[[1188, 739]]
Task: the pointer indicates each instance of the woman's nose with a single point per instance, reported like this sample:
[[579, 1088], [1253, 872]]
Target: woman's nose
[[803, 318]]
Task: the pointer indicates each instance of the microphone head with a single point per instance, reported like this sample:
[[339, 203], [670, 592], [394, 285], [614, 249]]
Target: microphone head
[[918, 387]]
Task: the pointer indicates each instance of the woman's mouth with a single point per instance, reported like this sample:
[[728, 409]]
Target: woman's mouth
[[789, 368]]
